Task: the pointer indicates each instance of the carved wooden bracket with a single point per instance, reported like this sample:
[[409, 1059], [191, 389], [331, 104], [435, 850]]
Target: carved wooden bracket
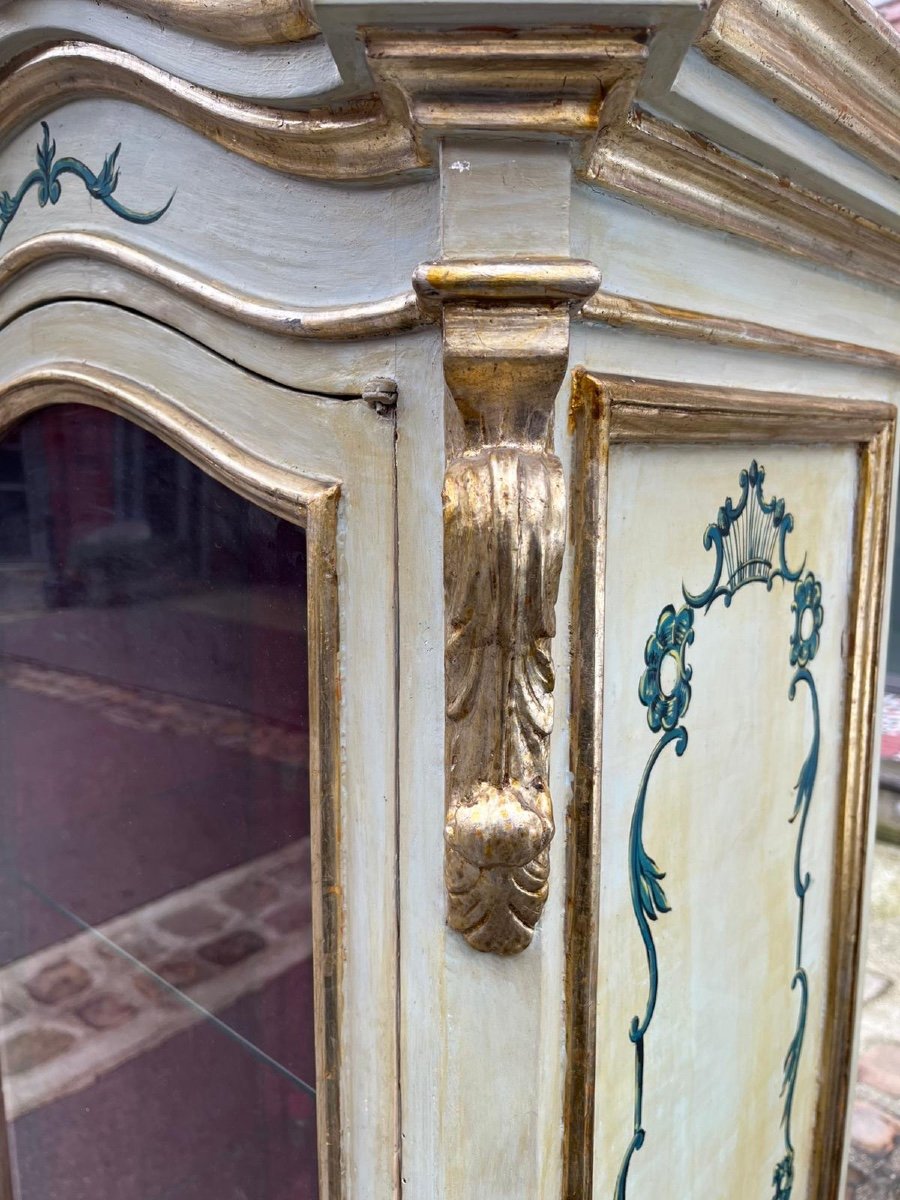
[[506, 342]]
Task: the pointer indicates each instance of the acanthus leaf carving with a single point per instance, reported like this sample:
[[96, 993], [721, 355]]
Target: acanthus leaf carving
[[504, 523], [506, 334]]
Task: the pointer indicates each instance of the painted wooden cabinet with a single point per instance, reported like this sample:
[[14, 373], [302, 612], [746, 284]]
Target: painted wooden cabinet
[[445, 491]]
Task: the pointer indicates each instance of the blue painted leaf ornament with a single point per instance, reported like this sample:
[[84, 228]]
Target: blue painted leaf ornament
[[46, 179]]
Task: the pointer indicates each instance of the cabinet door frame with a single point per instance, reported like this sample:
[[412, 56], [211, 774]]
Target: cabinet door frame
[[303, 470], [607, 410]]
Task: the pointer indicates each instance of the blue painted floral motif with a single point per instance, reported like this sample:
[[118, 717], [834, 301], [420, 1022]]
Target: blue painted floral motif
[[808, 614], [748, 539], [667, 700], [46, 176]]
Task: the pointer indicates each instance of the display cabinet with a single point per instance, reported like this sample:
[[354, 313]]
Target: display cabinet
[[446, 455]]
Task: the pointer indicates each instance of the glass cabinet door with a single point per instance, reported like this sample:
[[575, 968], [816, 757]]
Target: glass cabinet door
[[157, 979]]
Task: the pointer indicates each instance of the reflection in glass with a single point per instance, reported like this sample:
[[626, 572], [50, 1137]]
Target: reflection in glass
[[156, 1012]]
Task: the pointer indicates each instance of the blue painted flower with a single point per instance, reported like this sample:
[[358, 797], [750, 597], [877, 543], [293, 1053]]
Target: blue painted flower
[[665, 687], [808, 616]]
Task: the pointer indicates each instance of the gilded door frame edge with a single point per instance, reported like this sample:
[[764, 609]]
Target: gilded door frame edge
[[608, 409], [313, 505]]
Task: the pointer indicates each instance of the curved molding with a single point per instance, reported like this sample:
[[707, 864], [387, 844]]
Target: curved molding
[[355, 142], [671, 171], [287, 72], [832, 63], [234, 22], [624, 312], [636, 156], [406, 312], [369, 319], [281, 491]]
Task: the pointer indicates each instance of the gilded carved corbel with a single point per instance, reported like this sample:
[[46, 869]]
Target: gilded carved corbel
[[506, 340]]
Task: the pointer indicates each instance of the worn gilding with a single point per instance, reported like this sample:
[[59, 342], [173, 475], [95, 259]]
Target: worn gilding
[[505, 354], [234, 22], [354, 141], [832, 63]]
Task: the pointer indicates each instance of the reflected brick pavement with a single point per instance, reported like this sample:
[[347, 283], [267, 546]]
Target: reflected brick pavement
[[874, 1169]]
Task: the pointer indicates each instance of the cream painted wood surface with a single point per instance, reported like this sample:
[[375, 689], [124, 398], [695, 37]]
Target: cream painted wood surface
[[717, 823], [292, 240], [712, 272], [341, 441]]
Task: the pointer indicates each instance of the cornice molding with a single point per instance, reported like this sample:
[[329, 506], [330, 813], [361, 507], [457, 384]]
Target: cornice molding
[[569, 84], [531, 81], [673, 172], [833, 63], [350, 322], [353, 142], [233, 22]]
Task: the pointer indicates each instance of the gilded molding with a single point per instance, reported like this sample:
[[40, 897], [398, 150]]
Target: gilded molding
[[643, 316], [846, 949], [233, 22], [353, 142], [351, 322], [529, 80], [679, 174], [563, 82], [506, 342], [277, 489], [824, 61]]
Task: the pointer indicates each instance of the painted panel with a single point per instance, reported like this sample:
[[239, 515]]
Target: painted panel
[[727, 583]]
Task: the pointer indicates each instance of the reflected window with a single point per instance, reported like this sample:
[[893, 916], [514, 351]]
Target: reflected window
[[156, 987]]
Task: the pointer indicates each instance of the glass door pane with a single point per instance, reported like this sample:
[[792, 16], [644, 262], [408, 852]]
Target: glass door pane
[[156, 974]]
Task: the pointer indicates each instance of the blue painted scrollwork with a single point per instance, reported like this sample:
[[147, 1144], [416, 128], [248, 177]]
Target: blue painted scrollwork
[[748, 538], [749, 542], [46, 179]]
